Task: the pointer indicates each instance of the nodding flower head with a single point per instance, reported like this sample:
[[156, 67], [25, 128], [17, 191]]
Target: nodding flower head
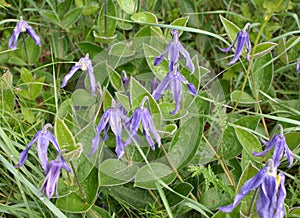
[[174, 50], [141, 115], [115, 118], [22, 26], [270, 200], [278, 142], [173, 80], [298, 64], [50, 183], [42, 139], [242, 40], [84, 64]]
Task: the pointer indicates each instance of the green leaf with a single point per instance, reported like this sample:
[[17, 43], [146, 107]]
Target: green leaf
[[17, 61], [245, 97], [28, 116], [74, 202], [231, 29], [147, 176], [182, 21], [144, 17], [263, 72], [33, 51], [92, 8], [182, 188], [122, 49], [63, 135], [71, 17], [74, 154], [116, 172], [264, 48], [96, 211], [90, 48], [35, 88], [129, 6], [81, 97], [51, 16], [106, 24], [230, 144], [114, 78], [249, 142], [26, 75]]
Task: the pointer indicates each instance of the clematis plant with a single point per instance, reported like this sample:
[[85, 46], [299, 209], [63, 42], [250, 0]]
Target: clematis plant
[[21, 27], [270, 200], [174, 50], [278, 142], [85, 64], [142, 116], [115, 118], [242, 40], [50, 183], [42, 139], [298, 64], [173, 80]]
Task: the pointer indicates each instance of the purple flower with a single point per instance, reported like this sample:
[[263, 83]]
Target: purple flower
[[174, 49], [242, 39], [51, 180], [142, 116], [153, 84], [22, 26], [280, 146], [85, 64], [173, 80], [271, 194], [298, 64], [114, 118], [42, 138]]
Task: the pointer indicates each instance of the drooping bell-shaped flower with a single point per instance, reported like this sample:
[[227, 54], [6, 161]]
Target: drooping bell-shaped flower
[[22, 26], [84, 64], [270, 200], [115, 118], [174, 50], [50, 183], [242, 40], [42, 139], [141, 115], [278, 142], [298, 64], [173, 80]]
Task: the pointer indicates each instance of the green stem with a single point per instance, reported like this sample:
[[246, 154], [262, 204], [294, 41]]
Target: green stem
[[25, 48], [252, 202], [266, 20], [78, 182]]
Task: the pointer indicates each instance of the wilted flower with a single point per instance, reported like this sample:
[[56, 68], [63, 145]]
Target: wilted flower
[[174, 49], [22, 26], [52, 176], [173, 80], [142, 116], [114, 118], [85, 64], [298, 64], [271, 194], [242, 39], [280, 146], [42, 138]]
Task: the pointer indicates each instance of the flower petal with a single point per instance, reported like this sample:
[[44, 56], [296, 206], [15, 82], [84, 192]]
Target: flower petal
[[157, 94], [67, 77]]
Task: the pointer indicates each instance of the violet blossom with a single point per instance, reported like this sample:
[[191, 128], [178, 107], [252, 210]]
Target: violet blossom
[[42, 139], [278, 142], [142, 116], [22, 26], [174, 49], [50, 183], [173, 81], [84, 64], [298, 64], [115, 118], [242, 40], [270, 200]]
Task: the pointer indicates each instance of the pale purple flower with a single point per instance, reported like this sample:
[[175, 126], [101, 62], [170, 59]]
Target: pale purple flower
[[22, 26], [115, 118], [84, 64], [174, 50], [50, 183], [42, 139], [278, 142], [142, 116], [271, 194], [173, 81], [298, 64], [153, 84], [242, 40]]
